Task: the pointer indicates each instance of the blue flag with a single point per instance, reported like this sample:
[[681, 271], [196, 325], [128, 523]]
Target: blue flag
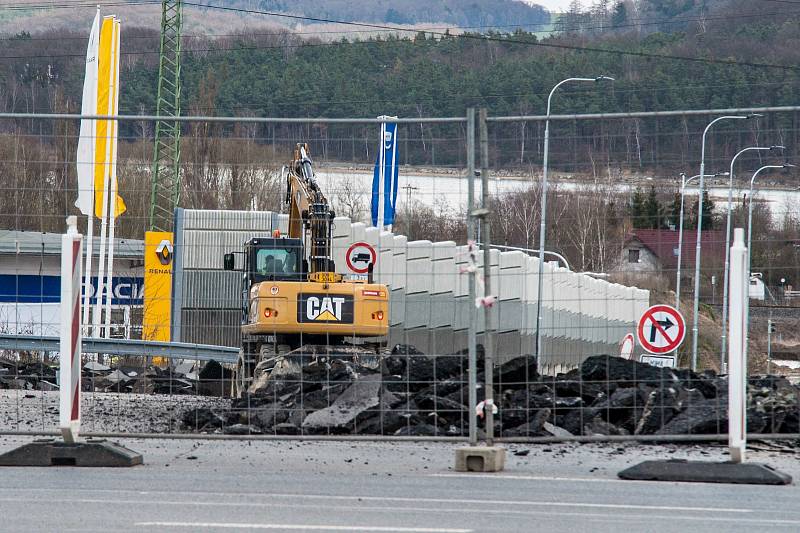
[[385, 177]]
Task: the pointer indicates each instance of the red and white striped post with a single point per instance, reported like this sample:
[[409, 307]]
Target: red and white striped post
[[70, 347]]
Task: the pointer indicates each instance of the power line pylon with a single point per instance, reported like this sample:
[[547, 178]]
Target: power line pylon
[[166, 179]]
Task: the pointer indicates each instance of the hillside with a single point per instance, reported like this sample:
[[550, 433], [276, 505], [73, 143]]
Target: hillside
[[243, 15], [475, 13]]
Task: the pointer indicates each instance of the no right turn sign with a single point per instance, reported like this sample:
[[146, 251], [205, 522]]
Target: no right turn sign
[[661, 329]]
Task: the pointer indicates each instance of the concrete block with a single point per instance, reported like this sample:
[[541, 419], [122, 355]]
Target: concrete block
[[462, 309], [418, 310], [88, 453], [681, 470], [340, 242], [399, 262], [510, 315], [397, 307], [460, 261], [443, 310], [385, 264], [444, 271], [441, 342], [357, 232], [419, 267], [480, 459]]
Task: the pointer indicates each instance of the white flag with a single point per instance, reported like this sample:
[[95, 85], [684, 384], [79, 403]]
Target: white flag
[[86, 143]]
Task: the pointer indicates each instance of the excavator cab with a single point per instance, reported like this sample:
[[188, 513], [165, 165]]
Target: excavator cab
[[275, 260]]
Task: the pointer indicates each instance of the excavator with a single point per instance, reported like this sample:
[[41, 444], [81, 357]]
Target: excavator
[[295, 307]]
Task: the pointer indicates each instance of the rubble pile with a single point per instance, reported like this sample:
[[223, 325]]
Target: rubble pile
[[211, 380], [409, 393]]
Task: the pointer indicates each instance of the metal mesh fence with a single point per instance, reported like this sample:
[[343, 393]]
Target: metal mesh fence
[[614, 236]]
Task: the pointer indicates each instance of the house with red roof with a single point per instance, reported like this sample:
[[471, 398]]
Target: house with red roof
[[652, 251]]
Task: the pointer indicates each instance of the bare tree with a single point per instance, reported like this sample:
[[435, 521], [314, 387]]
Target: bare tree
[[349, 200]]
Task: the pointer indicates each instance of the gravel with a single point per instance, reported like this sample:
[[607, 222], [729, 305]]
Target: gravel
[[26, 410]]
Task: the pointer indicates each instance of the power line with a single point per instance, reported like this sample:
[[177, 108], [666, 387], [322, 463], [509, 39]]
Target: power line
[[645, 55], [517, 41], [474, 97]]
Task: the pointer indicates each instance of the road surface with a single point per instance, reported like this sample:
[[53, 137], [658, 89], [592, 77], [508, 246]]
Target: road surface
[[386, 487]]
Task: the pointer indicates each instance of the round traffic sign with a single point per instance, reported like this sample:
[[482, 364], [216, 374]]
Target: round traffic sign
[[661, 329], [626, 346], [359, 256]]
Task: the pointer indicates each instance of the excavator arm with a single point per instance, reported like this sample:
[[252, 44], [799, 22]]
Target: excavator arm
[[309, 212]]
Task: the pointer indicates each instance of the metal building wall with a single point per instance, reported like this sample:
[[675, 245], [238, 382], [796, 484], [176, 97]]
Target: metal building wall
[[206, 299]]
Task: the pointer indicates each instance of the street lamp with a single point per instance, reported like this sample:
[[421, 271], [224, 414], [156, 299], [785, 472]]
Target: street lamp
[[684, 183], [750, 238], [698, 246], [543, 209], [750, 208], [726, 273]]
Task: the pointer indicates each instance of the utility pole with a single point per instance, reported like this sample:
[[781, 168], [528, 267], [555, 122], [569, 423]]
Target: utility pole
[[488, 310], [165, 188]]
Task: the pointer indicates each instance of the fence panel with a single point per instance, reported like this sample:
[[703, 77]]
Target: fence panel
[[611, 229]]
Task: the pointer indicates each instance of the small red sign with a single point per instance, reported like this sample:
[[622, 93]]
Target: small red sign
[[359, 256], [626, 346]]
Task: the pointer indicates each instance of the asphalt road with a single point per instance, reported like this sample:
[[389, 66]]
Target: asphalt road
[[386, 487]]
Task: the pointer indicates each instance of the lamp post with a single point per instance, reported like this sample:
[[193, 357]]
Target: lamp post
[[750, 208], [750, 239], [684, 182], [698, 246], [726, 272], [543, 207]]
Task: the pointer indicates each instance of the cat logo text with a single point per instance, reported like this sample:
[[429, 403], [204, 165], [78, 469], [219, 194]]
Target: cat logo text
[[325, 308]]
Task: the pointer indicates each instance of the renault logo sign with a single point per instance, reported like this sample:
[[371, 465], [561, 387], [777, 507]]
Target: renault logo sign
[[164, 252]]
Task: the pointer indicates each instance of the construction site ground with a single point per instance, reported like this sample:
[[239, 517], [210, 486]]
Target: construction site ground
[[389, 486]]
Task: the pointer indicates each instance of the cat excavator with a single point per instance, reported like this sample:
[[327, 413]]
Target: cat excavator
[[295, 307]]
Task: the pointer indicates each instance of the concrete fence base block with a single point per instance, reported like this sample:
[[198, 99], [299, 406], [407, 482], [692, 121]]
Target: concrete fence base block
[[52, 452], [480, 459], [706, 472]]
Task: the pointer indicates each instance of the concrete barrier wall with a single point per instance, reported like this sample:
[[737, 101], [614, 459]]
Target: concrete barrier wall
[[430, 305]]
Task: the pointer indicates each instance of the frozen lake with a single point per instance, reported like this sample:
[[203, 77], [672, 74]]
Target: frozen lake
[[451, 190]]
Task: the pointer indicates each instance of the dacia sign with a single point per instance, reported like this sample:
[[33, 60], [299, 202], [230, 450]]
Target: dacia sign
[[25, 288], [325, 308]]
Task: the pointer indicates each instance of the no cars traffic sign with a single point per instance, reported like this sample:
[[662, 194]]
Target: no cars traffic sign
[[359, 256]]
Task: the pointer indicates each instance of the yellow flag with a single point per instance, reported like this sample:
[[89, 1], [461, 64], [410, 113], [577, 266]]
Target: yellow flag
[[107, 104]]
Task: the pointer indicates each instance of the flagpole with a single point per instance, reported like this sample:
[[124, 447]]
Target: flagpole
[[101, 275], [382, 175], [87, 277], [86, 187], [112, 207], [392, 183]]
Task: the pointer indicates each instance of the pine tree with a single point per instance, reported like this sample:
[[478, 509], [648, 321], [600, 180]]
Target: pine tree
[[637, 210], [708, 213], [619, 16], [652, 211], [675, 211]]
